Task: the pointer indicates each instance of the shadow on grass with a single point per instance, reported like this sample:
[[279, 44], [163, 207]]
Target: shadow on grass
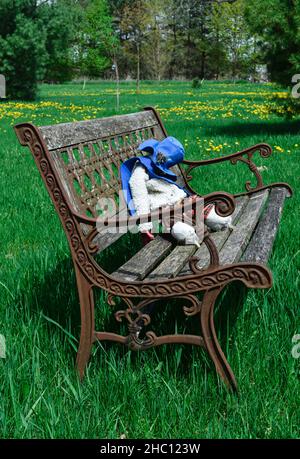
[[229, 305], [55, 296], [283, 127], [54, 292]]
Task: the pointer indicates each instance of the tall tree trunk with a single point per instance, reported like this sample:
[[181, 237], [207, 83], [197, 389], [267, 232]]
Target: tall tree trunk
[[174, 48], [203, 58], [117, 82], [188, 71], [157, 50], [218, 55], [138, 68]]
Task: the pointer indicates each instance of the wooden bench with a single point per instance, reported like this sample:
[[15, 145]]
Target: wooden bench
[[79, 163]]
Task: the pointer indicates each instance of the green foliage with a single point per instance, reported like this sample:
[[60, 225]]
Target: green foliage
[[60, 19], [35, 43], [234, 40], [96, 40], [146, 39], [279, 43], [206, 39], [277, 24], [22, 48], [134, 24]]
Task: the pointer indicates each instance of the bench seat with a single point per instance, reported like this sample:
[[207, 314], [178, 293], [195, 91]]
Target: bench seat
[[255, 219]]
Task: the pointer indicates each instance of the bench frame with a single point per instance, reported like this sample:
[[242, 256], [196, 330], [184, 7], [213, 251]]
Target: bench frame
[[137, 295]]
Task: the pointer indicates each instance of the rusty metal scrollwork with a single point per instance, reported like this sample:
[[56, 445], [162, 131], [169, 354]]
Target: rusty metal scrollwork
[[265, 151], [136, 321], [246, 157]]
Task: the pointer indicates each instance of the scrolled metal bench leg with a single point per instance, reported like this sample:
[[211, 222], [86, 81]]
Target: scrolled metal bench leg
[[211, 341], [86, 298]]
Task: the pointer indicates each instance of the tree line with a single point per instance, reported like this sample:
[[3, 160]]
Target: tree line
[[60, 40]]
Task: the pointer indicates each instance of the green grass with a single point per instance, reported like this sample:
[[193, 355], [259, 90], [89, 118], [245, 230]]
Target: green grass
[[170, 391]]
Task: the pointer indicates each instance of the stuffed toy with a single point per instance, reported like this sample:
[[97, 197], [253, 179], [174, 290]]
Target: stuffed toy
[[185, 234], [148, 183], [215, 222]]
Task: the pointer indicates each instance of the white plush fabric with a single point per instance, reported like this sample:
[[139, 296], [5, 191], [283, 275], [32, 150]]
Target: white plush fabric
[[217, 223], [185, 233], [149, 194], [139, 192]]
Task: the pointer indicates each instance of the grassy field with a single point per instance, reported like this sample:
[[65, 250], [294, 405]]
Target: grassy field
[[169, 392]]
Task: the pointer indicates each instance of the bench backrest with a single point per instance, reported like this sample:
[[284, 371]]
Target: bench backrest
[[87, 155]]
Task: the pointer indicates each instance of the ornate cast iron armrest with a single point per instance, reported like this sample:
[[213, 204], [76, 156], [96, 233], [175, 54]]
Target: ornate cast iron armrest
[[246, 157]]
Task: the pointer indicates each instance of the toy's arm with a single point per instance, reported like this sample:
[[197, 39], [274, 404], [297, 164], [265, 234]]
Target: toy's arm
[[140, 195]]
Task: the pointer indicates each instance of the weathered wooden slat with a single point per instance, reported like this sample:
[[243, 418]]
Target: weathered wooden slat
[[178, 258], [261, 244], [67, 134], [156, 261], [219, 238], [174, 262], [240, 236], [105, 240], [145, 260]]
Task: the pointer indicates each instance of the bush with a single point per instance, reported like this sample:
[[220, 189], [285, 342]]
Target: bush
[[22, 50], [197, 83], [287, 107]]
